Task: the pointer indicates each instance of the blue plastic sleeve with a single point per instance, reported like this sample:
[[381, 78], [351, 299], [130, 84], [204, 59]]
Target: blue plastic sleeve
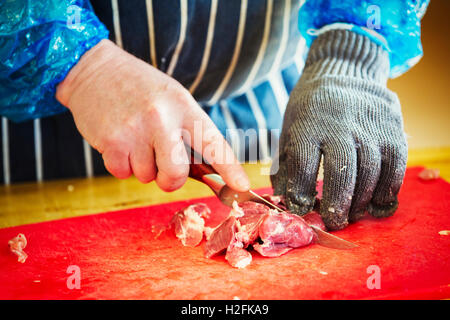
[[40, 41], [394, 24]]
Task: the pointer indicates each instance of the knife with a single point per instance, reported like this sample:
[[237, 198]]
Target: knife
[[203, 172]]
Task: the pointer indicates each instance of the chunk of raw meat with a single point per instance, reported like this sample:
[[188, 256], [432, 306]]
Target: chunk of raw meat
[[313, 218], [237, 256], [238, 231], [279, 201], [282, 230], [208, 231], [16, 245], [271, 233], [429, 174], [253, 214], [269, 249], [189, 224], [221, 237]]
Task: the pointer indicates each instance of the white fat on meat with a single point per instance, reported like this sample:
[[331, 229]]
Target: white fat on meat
[[189, 224]]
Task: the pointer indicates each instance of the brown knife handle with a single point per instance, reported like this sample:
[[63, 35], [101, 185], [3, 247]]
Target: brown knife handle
[[198, 167]]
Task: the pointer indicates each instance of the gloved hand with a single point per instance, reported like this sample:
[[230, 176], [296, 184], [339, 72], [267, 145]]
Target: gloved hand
[[138, 118], [341, 109]]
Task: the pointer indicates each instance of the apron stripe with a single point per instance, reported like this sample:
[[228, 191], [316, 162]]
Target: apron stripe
[[208, 45], [116, 21], [279, 90], [38, 150], [262, 126], [231, 135], [151, 31], [262, 49], [300, 53], [88, 159], [182, 36], [284, 37], [5, 152], [234, 59]]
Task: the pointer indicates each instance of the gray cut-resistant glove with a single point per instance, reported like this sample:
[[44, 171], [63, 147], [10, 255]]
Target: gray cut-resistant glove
[[341, 109]]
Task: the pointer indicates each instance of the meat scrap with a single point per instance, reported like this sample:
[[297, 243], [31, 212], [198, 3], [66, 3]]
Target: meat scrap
[[16, 245], [429, 174], [221, 237], [237, 256], [252, 215], [189, 223], [282, 231], [279, 201], [314, 219], [249, 224], [269, 232]]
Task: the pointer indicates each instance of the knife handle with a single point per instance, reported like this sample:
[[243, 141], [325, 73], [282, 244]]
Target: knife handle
[[198, 167]]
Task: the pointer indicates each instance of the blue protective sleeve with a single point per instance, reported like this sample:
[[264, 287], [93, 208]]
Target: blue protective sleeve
[[40, 41], [394, 24]]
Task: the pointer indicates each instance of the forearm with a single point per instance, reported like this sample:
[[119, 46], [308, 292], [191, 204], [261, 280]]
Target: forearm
[[40, 45]]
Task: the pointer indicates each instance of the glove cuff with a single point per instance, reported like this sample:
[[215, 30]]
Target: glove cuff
[[346, 53]]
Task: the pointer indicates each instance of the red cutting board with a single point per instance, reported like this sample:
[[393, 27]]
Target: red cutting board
[[119, 257]]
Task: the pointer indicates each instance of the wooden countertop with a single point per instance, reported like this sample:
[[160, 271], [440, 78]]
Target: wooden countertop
[[33, 202]]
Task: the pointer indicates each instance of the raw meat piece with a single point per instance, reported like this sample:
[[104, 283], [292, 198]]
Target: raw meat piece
[[269, 249], [313, 218], [236, 210], [429, 174], [208, 231], [271, 233], [251, 208], [189, 224], [282, 230], [279, 201], [237, 256], [287, 228], [16, 245], [238, 230], [202, 210], [250, 221], [221, 237]]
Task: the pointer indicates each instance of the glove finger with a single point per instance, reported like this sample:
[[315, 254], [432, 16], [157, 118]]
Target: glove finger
[[339, 181], [278, 174], [393, 166], [368, 172], [302, 168]]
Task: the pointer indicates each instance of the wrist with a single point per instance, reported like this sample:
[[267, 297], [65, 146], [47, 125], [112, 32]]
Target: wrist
[[91, 61], [346, 53]]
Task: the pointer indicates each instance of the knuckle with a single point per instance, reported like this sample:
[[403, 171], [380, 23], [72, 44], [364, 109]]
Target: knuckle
[[154, 115], [113, 140], [182, 96]]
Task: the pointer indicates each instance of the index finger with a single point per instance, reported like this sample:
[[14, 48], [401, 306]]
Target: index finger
[[206, 139]]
